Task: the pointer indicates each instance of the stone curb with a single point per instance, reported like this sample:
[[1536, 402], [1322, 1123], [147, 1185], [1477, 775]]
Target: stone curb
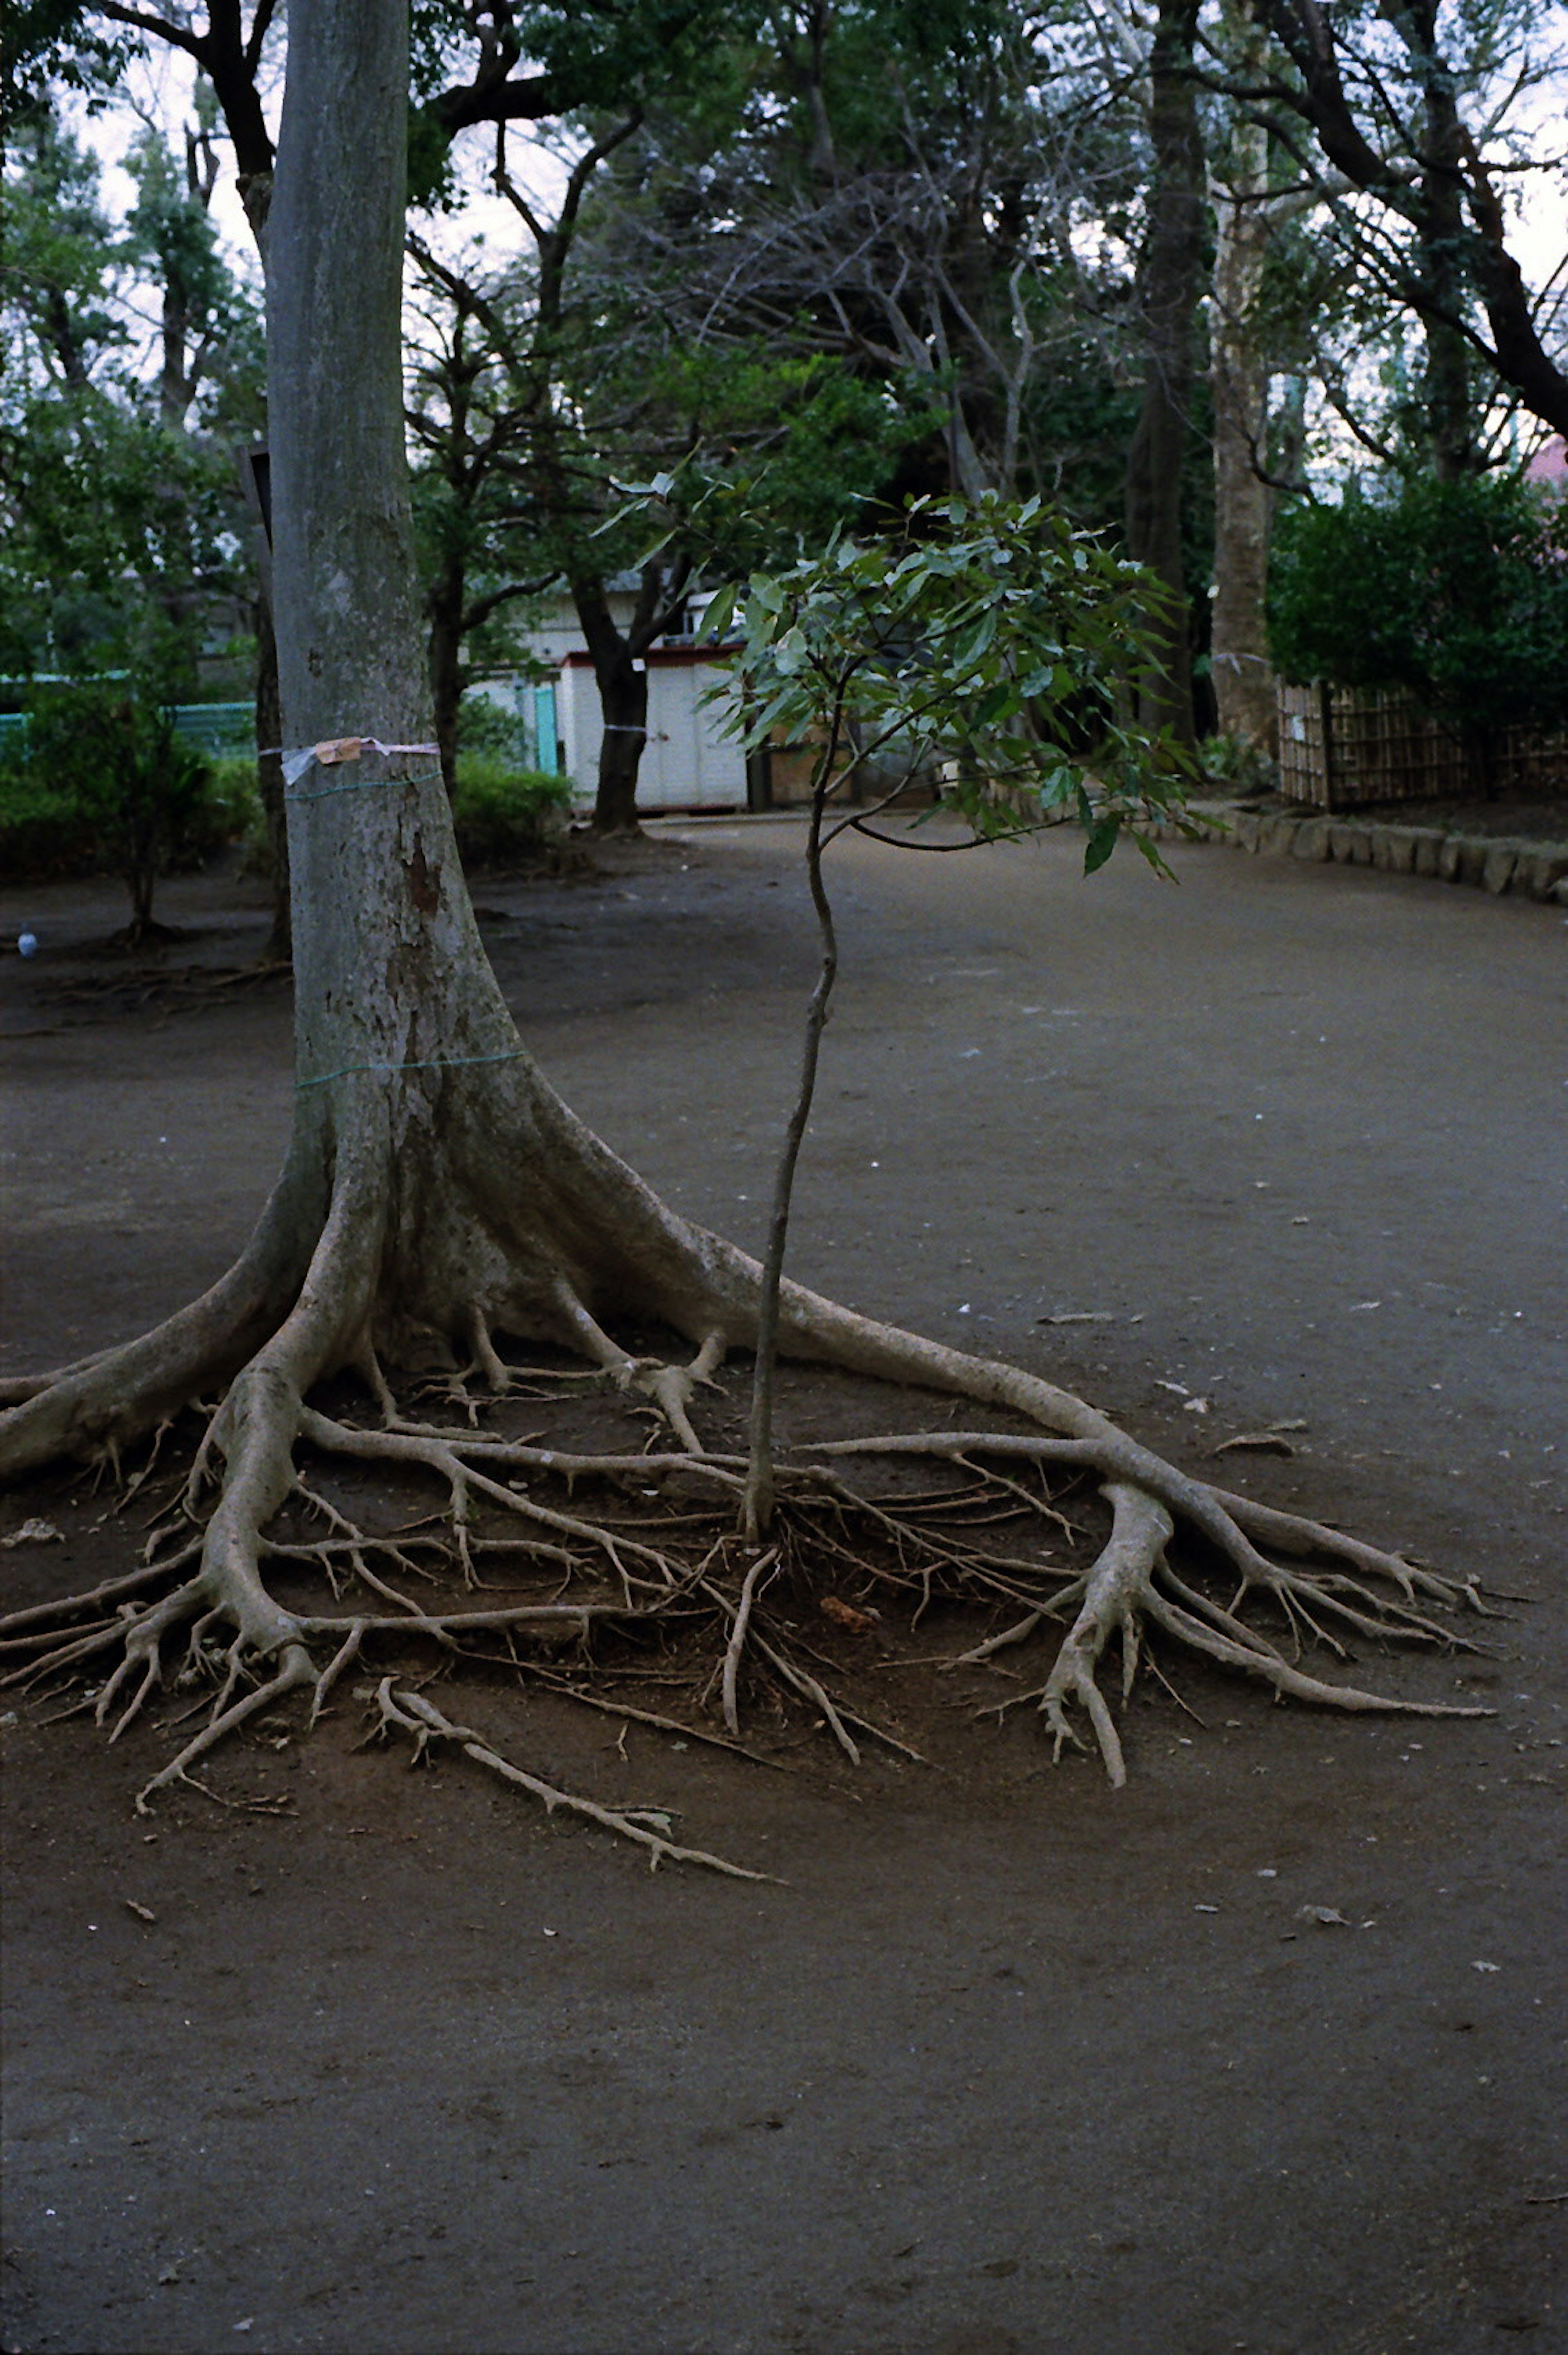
[[1494, 863]]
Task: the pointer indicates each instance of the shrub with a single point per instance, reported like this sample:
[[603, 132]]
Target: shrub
[[236, 814], [45, 834], [1455, 592], [1243, 767], [494, 730], [104, 784], [506, 815]]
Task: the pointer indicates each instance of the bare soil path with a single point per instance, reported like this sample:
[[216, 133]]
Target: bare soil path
[[1015, 2066]]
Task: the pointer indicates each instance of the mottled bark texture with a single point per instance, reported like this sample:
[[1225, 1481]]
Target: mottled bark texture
[[1239, 379], [1169, 283]]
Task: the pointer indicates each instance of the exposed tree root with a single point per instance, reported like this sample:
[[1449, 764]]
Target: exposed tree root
[[412, 1713], [522, 1223]]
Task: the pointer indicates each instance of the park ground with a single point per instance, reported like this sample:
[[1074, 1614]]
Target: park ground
[[1014, 2065]]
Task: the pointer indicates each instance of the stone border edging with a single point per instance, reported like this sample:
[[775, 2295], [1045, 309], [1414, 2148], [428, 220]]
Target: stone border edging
[[1494, 863]]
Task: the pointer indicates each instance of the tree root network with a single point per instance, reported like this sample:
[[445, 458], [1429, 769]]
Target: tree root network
[[581, 1567]]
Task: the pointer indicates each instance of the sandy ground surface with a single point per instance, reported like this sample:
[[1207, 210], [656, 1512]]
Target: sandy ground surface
[[1015, 2066]]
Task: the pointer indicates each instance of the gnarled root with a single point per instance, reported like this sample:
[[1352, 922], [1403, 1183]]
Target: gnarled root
[[531, 1226], [1115, 1595], [412, 1713]]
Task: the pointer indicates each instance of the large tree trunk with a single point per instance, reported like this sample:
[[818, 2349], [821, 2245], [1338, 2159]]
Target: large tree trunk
[[1169, 283], [269, 778], [1243, 676]]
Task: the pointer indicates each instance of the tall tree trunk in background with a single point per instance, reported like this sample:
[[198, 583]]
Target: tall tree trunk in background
[[623, 684], [269, 779], [620, 670], [444, 607], [1169, 275], [1239, 375], [1446, 391]]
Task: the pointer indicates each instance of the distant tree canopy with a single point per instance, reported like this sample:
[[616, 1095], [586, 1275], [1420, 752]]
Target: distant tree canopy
[[131, 367], [1155, 262]]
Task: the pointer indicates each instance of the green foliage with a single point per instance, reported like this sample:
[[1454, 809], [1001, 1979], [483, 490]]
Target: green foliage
[[790, 449], [1456, 591], [45, 46], [105, 767], [495, 731], [506, 817], [1238, 765], [45, 832], [120, 519], [987, 644]]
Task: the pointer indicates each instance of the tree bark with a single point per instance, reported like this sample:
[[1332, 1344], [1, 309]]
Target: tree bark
[[1169, 273], [624, 703], [1239, 376], [620, 671], [1440, 228], [444, 607], [388, 969], [270, 777]]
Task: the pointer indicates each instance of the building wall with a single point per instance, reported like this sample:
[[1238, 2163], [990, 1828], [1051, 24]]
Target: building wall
[[688, 762]]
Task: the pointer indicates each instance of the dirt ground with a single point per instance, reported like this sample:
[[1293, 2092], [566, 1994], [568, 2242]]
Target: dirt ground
[[1014, 2065]]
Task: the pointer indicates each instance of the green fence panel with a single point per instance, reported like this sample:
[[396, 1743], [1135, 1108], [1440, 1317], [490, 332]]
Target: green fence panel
[[226, 729]]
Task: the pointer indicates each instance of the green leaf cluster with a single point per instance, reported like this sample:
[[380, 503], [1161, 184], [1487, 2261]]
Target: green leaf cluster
[[506, 815], [1455, 592], [986, 648], [105, 780]]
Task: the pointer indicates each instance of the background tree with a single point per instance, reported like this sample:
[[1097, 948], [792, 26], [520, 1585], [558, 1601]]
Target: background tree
[[121, 499], [1454, 591], [1411, 107]]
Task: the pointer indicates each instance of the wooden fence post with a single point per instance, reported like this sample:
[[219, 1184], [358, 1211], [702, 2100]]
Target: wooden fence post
[[1326, 719]]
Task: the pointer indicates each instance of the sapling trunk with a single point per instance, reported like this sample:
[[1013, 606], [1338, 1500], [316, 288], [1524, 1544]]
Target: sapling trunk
[[758, 1506]]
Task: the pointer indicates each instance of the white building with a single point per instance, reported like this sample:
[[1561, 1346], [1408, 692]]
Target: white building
[[688, 762]]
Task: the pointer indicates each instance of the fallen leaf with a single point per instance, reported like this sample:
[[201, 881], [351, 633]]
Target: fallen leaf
[[1328, 1916], [1080, 1316], [845, 1615], [1486, 1966], [1270, 1443], [143, 1913]]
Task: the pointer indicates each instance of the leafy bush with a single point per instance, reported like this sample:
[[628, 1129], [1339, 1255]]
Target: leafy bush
[[1455, 592], [45, 834], [236, 815], [1240, 766], [494, 730], [120, 761], [103, 784], [506, 815]]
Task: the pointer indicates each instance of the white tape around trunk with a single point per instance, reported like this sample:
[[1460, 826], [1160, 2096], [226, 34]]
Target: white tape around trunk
[[335, 750]]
